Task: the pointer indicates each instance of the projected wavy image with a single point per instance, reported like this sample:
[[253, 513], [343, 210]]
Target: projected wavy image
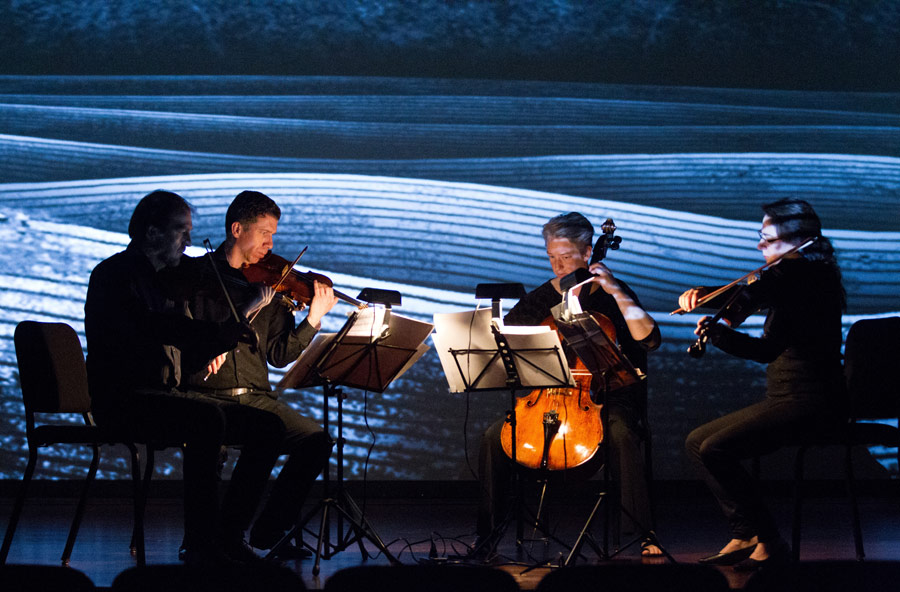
[[429, 186]]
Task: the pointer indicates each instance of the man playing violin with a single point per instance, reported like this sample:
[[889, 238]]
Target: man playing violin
[[242, 375], [568, 238], [136, 334], [801, 345]]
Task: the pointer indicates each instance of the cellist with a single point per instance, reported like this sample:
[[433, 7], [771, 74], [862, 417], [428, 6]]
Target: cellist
[[569, 238]]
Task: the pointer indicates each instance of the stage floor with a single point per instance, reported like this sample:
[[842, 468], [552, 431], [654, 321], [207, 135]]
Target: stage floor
[[689, 526]]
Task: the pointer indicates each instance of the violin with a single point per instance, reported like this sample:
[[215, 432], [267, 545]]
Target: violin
[[737, 306], [294, 286], [561, 428]]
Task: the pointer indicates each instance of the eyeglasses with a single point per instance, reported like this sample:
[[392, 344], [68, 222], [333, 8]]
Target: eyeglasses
[[768, 239]]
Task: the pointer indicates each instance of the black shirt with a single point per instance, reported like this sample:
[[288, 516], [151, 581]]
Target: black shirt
[[135, 330], [280, 343], [801, 341], [536, 307]]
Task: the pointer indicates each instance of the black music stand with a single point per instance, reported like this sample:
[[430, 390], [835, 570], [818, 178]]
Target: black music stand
[[603, 358], [502, 361], [366, 354]]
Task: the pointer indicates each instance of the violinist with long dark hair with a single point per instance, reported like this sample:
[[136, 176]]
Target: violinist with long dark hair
[[801, 345], [241, 376], [569, 238]]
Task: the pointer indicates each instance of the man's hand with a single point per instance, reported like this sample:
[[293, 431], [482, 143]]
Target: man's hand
[[215, 364], [323, 300]]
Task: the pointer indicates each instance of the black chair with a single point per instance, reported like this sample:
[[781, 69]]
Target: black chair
[[43, 578], [871, 363], [53, 379], [417, 578], [634, 577]]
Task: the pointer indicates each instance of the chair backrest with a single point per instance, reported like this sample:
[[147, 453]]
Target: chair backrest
[[871, 363], [52, 372]]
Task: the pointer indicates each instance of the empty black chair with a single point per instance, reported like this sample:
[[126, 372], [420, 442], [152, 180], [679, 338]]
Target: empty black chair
[[635, 577], [53, 379], [871, 360], [421, 578], [43, 578]]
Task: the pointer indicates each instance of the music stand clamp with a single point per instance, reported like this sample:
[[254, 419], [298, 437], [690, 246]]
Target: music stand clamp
[[361, 355]]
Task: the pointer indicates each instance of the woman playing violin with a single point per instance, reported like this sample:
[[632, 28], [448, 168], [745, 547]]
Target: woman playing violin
[[568, 238], [801, 343]]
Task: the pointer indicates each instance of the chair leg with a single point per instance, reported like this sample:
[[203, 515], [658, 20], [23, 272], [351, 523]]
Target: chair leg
[[82, 503], [854, 506], [798, 504], [17, 507], [136, 489], [141, 490]]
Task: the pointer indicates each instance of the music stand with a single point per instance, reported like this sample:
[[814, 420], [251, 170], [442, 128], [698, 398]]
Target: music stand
[[370, 351], [478, 354], [605, 360]]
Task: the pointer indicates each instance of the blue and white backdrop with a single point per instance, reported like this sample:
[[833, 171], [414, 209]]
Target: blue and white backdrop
[[429, 182]]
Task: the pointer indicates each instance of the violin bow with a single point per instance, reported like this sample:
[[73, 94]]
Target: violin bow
[[212, 263], [727, 287]]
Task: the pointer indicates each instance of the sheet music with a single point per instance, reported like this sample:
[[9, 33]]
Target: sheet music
[[298, 375], [477, 365], [369, 323], [353, 362], [465, 330]]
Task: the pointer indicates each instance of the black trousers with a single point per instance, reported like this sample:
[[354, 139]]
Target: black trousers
[[203, 425], [308, 448], [718, 448], [622, 433]]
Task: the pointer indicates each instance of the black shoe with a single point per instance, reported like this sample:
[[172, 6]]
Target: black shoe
[[289, 552], [780, 554], [238, 550], [730, 558], [265, 538], [207, 558]]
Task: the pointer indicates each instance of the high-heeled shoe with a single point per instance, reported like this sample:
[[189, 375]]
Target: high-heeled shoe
[[729, 558]]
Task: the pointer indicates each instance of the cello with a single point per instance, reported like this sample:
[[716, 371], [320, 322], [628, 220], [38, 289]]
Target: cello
[[561, 428]]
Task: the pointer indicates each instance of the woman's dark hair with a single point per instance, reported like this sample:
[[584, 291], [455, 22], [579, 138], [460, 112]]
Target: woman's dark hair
[[156, 209], [572, 226], [796, 219]]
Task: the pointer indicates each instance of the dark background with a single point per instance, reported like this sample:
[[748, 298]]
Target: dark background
[[837, 45]]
